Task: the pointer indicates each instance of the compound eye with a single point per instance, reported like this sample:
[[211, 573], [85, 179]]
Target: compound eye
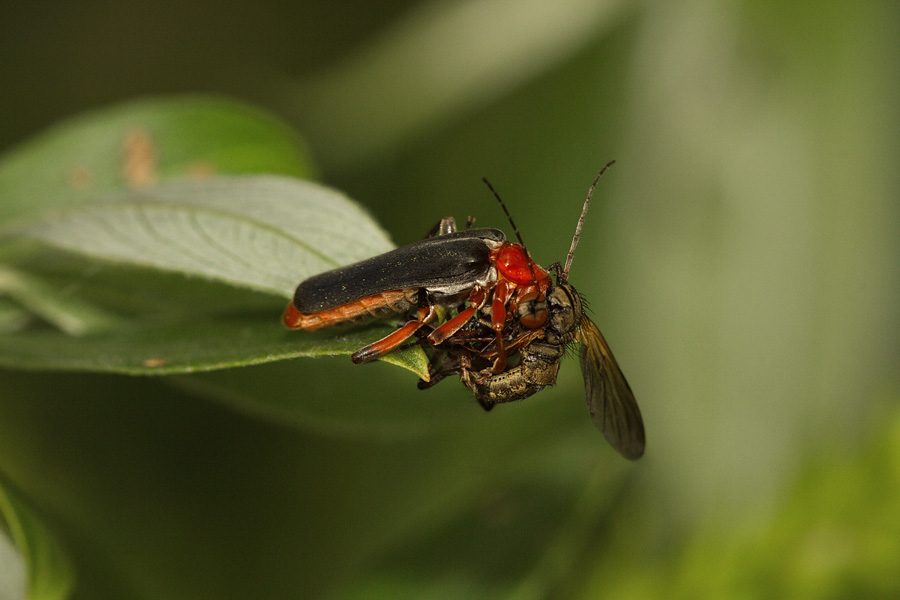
[[564, 312]]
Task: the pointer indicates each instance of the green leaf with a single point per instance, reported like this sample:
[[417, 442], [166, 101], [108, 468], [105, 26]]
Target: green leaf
[[65, 312], [105, 215], [264, 233], [186, 346], [50, 573], [140, 143], [261, 233]]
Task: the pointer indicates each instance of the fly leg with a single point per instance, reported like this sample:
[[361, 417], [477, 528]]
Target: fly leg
[[466, 376]]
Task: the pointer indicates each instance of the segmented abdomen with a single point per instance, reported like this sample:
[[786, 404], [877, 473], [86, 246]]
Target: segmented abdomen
[[376, 306]]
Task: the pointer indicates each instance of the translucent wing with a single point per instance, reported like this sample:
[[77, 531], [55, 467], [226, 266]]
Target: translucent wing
[[609, 398]]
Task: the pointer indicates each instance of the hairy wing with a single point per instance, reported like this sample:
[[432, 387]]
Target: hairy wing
[[609, 397]]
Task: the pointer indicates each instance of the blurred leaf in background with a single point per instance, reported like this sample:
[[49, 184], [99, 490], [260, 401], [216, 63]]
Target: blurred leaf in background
[[50, 574], [741, 259]]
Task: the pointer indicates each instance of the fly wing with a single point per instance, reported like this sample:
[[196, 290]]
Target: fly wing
[[609, 397]]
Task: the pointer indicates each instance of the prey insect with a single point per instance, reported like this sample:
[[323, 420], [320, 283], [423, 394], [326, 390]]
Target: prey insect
[[534, 355]]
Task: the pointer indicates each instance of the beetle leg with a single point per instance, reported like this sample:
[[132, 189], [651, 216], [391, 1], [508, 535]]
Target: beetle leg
[[477, 298], [443, 227], [498, 322], [393, 340], [452, 326]]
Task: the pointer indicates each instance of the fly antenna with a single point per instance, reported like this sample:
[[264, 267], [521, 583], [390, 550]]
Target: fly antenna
[[503, 206], [587, 203]]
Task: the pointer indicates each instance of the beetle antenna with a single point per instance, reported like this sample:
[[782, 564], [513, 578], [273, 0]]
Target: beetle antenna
[[503, 206], [512, 224], [587, 203]]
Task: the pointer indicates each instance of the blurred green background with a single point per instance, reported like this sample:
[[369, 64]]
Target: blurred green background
[[741, 259]]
